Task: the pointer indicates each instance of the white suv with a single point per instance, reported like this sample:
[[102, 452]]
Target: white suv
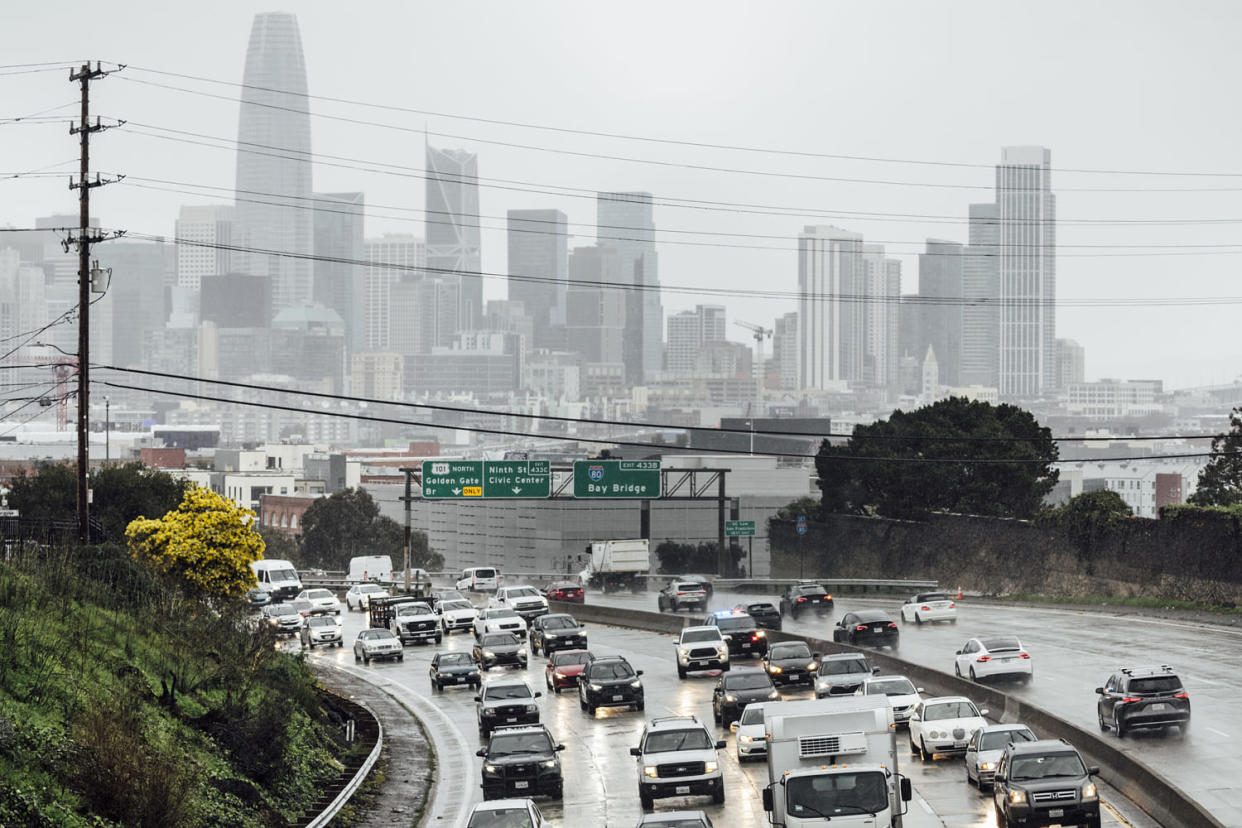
[[526, 601], [677, 757], [499, 619], [322, 601], [701, 648]]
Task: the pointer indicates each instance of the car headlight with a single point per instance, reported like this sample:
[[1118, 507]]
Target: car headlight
[[774, 668], [490, 769], [1017, 797], [685, 659], [744, 739], [937, 734], [723, 651], [636, 684], [488, 654], [729, 697], [650, 771], [549, 635], [558, 674], [774, 695], [596, 687], [812, 666], [1089, 791], [530, 708], [986, 766], [760, 634], [710, 767], [548, 763]]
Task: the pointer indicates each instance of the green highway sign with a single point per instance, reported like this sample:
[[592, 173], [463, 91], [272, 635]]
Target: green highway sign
[[517, 478], [739, 528], [452, 478], [617, 478]]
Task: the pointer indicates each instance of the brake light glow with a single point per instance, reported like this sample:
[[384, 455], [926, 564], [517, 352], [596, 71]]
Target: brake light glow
[[952, 605], [1182, 696], [1024, 655], [679, 592], [984, 658], [827, 597], [800, 600], [892, 625], [860, 628], [925, 608], [1130, 699]]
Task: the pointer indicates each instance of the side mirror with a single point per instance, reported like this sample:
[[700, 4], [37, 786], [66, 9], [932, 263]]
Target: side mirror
[[1099, 690], [1093, 770], [635, 752], [478, 698], [727, 637], [767, 799], [1000, 777], [875, 671], [720, 744], [559, 748], [580, 624], [733, 727], [906, 793], [984, 712], [957, 652], [817, 656], [481, 752], [918, 689], [638, 672]]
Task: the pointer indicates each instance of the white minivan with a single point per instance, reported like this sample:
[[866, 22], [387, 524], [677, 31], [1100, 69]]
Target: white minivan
[[277, 578], [370, 568], [480, 579]]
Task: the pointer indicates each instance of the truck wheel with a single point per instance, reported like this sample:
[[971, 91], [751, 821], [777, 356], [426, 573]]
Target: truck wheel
[[681, 672], [558, 792], [640, 706], [718, 795], [646, 801], [439, 638]]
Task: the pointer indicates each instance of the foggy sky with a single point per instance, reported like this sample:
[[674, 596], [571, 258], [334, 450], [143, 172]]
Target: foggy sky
[[1106, 85]]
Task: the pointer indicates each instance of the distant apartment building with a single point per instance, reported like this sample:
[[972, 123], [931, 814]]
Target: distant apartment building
[[203, 235], [933, 316], [625, 222], [1111, 399], [595, 316], [308, 344], [830, 328], [391, 259], [785, 350], [539, 268], [482, 363], [1071, 363], [687, 333], [140, 272], [338, 271], [881, 282], [555, 375], [376, 376], [980, 355]]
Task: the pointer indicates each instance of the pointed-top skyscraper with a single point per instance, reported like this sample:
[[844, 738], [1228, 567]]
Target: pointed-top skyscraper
[[273, 188]]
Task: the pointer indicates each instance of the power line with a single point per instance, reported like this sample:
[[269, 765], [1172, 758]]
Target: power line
[[658, 140]]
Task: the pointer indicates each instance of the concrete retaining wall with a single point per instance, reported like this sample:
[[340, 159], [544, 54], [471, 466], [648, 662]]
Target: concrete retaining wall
[[1162, 800]]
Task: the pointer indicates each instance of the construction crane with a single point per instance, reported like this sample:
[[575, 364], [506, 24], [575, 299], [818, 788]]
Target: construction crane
[[758, 332]]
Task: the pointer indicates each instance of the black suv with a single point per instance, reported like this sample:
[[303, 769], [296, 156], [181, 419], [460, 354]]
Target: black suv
[[505, 703], [736, 689], [610, 681], [805, 596], [521, 761], [1045, 783], [558, 631], [765, 613], [741, 631], [1143, 697]]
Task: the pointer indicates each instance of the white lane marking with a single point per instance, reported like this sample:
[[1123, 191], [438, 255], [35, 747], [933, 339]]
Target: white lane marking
[[923, 804], [1220, 733]]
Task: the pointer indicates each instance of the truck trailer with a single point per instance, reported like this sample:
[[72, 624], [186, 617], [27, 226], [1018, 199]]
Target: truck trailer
[[618, 564], [833, 762]]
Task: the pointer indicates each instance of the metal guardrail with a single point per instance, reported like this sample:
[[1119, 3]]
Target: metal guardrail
[[329, 813]]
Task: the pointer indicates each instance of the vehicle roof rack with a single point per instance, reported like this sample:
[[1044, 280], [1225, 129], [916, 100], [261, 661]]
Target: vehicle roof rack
[[1163, 668], [659, 719]]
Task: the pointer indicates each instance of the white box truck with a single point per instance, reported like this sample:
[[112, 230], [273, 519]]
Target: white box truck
[[618, 564], [370, 568], [833, 762]]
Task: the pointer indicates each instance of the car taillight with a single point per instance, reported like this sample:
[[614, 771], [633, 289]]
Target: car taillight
[[800, 600], [984, 658], [892, 625], [679, 592], [827, 597], [1130, 699], [952, 605], [860, 628], [754, 637], [925, 608], [1024, 655], [1182, 696]]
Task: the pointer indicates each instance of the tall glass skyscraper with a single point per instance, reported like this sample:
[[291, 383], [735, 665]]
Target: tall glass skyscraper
[[539, 268], [273, 184], [625, 222], [452, 216]]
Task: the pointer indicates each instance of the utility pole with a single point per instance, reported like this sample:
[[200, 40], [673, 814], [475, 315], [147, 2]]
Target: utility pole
[[87, 277]]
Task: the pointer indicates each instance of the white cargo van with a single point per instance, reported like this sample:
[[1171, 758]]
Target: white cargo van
[[480, 579], [370, 568], [277, 578]]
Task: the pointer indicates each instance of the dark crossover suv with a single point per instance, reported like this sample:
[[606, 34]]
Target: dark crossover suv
[[1045, 783], [1143, 697], [521, 761], [558, 631], [505, 703], [765, 613], [610, 681], [499, 648], [791, 662], [736, 689], [805, 596], [741, 631], [867, 628], [454, 668]]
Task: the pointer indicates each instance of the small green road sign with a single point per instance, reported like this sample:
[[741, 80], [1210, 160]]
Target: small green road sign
[[739, 528], [617, 478], [517, 478], [452, 478]]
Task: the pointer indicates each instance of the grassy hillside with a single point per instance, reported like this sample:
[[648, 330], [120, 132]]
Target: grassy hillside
[[124, 703]]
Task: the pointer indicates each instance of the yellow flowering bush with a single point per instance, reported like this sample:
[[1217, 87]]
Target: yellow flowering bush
[[208, 541]]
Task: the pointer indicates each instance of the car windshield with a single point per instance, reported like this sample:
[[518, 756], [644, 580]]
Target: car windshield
[[283, 609], [322, 621], [836, 794], [735, 622], [1000, 642], [843, 666], [455, 605], [930, 596], [891, 687], [319, 593], [501, 613], [663, 741], [746, 681], [506, 691], [571, 658], [753, 714], [520, 743], [949, 710], [282, 575], [374, 635], [612, 670], [794, 650], [1046, 767], [370, 589], [499, 639], [761, 609], [691, 636], [559, 622], [997, 739], [455, 660], [871, 616], [809, 589], [676, 822], [485, 573], [413, 609], [1155, 684], [523, 592], [688, 587], [504, 817]]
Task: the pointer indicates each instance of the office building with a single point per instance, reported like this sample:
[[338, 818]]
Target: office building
[[980, 354], [830, 328], [539, 268], [423, 315], [595, 318], [1071, 363], [452, 218], [935, 312], [881, 280], [272, 225], [339, 251], [136, 289], [204, 235], [391, 258], [687, 333], [785, 351], [625, 222], [376, 376], [308, 344]]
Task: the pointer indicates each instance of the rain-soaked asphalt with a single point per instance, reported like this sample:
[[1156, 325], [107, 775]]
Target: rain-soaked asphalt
[[600, 775]]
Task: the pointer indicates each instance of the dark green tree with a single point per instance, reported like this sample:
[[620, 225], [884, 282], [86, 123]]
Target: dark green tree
[[49, 493], [348, 524], [1220, 481], [1088, 518], [956, 455], [278, 545], [687, 558]]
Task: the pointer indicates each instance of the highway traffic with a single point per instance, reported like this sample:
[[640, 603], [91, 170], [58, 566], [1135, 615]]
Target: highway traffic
[[601, 784]]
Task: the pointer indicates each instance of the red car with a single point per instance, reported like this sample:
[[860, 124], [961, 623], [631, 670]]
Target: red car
[[565, 667], [565, 591]]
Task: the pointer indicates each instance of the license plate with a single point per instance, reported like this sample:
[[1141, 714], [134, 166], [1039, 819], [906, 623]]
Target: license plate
[[1057, 812], [521, 785], [511, 719], [682, 789], [696, 663], [1159, 706], [877, 630], [455, 679], [617, 698]]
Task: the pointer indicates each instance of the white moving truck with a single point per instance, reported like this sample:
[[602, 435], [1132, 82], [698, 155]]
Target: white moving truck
[[618, 564], [370, 568], [833, 762], [277, 578]]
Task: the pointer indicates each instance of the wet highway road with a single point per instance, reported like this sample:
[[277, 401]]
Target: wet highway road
[[600, 775], [1074, 652]]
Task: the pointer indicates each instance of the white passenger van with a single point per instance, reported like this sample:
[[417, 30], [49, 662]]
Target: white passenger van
[[277, 578], [480, 579], [370, 568]]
